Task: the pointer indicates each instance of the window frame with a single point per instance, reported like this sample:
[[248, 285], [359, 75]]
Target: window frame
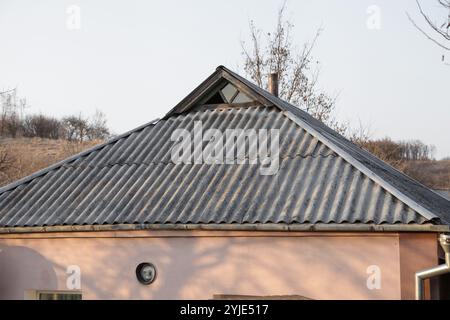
[[36, 294]]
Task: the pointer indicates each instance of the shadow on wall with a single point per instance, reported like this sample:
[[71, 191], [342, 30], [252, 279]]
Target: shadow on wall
[[178, 264], [201, 267], [194, 268], [23, 269]]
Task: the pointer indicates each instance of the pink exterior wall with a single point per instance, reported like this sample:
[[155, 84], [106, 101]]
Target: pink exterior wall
[[200, 264], [417, 252]]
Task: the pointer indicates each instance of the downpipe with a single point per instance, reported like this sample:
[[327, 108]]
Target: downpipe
[[444, 240]]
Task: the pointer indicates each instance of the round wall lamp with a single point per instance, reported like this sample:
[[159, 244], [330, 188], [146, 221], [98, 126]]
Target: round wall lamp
[[146, 272]]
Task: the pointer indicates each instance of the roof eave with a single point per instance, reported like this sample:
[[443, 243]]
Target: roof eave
[[319, 227]]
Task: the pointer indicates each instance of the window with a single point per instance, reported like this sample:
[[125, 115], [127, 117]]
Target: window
[[58, 295], [228, 94], [241, 98]]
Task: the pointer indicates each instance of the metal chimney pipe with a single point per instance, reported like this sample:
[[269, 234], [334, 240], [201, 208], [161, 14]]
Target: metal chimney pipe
[[444, 240], [273, 84]]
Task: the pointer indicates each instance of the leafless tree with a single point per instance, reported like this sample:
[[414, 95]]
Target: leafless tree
[[97, 127], [76, 128], [42, 126], [297, 69], [360, 135], [398, 152], [6, 162], [80, 128], [12, 108], [439, 32]]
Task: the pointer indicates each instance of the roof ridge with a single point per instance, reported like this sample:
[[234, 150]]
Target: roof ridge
[[81, 154]]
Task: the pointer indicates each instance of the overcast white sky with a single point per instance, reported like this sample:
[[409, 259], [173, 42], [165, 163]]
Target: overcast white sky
[[134, 60]]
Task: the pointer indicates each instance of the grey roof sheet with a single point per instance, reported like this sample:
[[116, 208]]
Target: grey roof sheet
[[131, 180], [443, 192]]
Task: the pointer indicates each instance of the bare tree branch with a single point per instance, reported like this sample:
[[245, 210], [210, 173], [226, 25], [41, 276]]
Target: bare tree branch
[[8, 91], [442, 30], [298, 72], [444, 34]]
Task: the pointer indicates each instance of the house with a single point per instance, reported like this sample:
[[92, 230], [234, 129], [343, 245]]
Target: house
[[300, 212]]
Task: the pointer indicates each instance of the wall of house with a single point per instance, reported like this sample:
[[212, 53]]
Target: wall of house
[[201, 264], [418, 251]]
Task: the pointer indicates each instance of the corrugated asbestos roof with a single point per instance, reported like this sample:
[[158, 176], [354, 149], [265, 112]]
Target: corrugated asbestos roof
[[323, 178]]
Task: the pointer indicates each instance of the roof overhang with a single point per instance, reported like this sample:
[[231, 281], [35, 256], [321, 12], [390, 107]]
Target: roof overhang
[[235, 227]]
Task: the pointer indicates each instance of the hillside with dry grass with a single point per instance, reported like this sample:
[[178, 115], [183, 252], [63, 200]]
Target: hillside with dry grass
[[432, 173], [414, 158], [20, 157], [33, 141]]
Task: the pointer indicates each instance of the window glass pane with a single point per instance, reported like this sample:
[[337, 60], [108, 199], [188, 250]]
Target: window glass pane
[[228, 92], [215, 99], [242, 98]]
